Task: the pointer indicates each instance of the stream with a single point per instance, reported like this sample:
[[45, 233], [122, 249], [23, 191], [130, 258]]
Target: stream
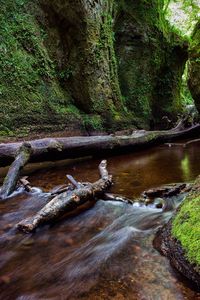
[[106, 251]]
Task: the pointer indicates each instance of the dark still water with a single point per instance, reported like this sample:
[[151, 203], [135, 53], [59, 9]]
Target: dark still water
[[106, 251]]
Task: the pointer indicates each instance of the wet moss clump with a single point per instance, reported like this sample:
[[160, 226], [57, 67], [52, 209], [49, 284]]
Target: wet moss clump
[[186, 228]]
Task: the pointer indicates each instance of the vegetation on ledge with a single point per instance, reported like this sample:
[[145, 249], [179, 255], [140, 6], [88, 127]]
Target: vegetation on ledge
[[186, 228]]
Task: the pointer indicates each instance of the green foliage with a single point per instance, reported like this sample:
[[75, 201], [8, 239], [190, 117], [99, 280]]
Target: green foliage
[[186, 97], [183, 15], [23, 59], [92, 122], [30, 94], [186, 228], [35, 79]]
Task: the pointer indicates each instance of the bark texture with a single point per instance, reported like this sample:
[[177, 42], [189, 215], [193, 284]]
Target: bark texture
[[13, 175], [73, 147], [68, 201]]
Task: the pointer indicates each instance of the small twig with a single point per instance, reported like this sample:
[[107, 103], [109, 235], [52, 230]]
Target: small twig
[[26, 184], [103, 170], [192, 141], [73, 181]]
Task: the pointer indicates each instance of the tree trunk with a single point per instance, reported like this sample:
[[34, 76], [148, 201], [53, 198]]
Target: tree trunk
[[73, 147], [13, 175]]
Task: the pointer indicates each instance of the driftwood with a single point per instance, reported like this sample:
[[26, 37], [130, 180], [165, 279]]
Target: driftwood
[[183, 144], [69, 201], [26, 184], [74, 147], [10, 182], [118, 198]]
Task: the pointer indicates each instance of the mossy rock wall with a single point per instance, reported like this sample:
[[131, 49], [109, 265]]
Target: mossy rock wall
[[194, 66], [151, 61], [86, 65]]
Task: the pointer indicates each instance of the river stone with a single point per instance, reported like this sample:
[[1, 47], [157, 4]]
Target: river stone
[[159, 202]]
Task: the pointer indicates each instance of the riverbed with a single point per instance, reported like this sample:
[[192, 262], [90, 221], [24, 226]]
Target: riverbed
[[106, 251]]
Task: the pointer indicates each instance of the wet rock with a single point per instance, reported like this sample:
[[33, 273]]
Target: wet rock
[[159, 202], [171, 248], [69, 242], [5, 279], [147, 201], [178, 239], [27, 243]]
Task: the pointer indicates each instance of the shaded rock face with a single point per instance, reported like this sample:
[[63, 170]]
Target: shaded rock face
[[150, 66], [83, 31], [194, 67], [87, 65], [85, 51]]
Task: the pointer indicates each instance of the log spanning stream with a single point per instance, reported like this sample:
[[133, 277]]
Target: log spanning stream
[[106, 251]]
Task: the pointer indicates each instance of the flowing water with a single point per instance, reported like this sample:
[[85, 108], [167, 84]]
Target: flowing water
[[106, 251]]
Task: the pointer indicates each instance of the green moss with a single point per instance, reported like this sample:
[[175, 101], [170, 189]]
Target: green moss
[[194, 66], [186, 228], [30, 93], [151, 60], [58, 64], [93, 123]]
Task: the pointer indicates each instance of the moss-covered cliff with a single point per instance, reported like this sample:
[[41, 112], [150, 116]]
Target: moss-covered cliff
[[94, 65], [194, 66], [151, 61]]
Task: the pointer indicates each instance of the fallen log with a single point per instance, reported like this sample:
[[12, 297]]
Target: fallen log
[[73, 147], [69, 201], [10, 182]]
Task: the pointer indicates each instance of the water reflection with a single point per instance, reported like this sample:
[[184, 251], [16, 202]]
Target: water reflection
[[185, 166]]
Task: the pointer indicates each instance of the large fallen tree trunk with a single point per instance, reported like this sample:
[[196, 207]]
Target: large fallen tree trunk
[[69, 200], [13, 175], [74, 147]]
